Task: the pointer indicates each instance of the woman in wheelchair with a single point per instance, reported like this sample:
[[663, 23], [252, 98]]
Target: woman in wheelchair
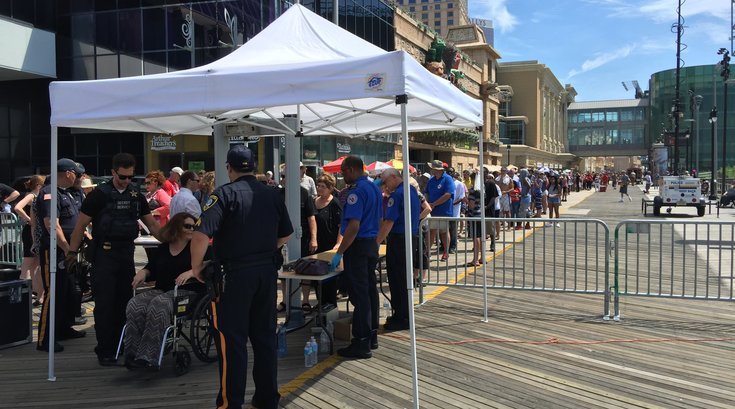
[[150, 313]]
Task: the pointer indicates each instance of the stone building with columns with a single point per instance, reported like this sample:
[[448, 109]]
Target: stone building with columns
[[533, 116]]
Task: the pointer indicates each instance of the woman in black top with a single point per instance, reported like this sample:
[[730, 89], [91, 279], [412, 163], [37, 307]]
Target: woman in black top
[[328, 215], [150, 312]]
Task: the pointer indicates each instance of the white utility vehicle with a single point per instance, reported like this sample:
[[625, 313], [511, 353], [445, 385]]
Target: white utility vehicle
[[679, 191]]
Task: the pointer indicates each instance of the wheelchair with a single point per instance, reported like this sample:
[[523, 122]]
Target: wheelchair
[[191, 322]]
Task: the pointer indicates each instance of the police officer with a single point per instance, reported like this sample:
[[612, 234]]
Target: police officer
[[68, 213], [392, 227], [114, 209], [249, 222], [359, 229]]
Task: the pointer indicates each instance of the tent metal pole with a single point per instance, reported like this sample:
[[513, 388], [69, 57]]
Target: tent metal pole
[[335, 13], [483, 227], [407, 237], [221, 146], [52, 252], [293, 204]]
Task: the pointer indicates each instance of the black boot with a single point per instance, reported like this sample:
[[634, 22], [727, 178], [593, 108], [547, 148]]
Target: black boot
[[358, 349], [374, 339]]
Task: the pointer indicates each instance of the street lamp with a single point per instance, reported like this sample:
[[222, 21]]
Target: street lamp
[[508, 148], [725, 73], [713, 122]]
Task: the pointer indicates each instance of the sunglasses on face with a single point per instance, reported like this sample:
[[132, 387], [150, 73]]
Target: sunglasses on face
[[189, 226], [124, 177]]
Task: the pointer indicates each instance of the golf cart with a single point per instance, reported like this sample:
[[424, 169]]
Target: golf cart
[[679, 191]]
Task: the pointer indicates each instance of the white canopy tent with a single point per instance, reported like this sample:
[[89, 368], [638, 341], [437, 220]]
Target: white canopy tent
[[301, 64]]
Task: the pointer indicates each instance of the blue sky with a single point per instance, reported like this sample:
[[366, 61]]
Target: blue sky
[[596, 44]]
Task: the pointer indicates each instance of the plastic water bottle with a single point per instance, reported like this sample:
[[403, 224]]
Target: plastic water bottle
[[330, 328], [281, 339], [386, 308], [307, 355], [314, 351], [324, 341]]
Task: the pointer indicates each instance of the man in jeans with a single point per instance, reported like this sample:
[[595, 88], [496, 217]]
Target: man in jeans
[[459, 198]]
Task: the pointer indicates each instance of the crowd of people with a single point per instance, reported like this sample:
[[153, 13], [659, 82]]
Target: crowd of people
[[185, 211]]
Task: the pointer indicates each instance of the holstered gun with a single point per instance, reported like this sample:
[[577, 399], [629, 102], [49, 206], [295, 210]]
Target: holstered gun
[[214, 278]]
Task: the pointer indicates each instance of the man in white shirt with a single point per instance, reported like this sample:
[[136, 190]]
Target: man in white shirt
[[306, 181], [459, 198], [184, 201]]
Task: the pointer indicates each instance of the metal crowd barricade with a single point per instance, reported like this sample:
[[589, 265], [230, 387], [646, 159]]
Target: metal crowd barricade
[[556, 255], [11, 243], [674, 258]]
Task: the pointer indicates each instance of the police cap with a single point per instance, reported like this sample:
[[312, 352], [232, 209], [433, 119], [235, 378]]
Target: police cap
[[241, 158], [65, 164]]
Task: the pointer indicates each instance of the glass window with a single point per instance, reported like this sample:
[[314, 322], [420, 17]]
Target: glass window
[[450, 5], [82, 68], [436, 6], [130, 66], [437, 15], [23, 10], [154, 63], [82, 34], [611, 116], [412, 9], [425, 16], [626, 115], [106, 33], [130, 36], [107, 66], [450, 14], [154, 30], [598, 116], [424, 8], [450, 22]]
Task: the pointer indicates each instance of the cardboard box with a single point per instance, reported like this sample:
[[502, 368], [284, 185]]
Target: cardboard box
[[343, 328]]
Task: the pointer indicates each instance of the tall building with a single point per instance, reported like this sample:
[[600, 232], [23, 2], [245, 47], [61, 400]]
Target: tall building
[[45, 40], [533, 110], [438, 15]]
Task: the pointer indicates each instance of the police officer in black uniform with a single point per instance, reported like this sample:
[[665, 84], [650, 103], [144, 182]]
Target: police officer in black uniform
[[392, 227], [114, 209], [68, 213], [249, 223], [360, 220]]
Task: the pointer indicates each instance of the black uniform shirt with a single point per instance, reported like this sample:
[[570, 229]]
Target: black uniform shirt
[[5, 191], [96, 201], [68, 211], [245, 218]]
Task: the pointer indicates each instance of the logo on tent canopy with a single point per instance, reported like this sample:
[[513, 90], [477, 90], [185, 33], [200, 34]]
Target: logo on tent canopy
[[375, 82]]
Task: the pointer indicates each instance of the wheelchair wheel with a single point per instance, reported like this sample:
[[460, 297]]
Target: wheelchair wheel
[[202, 332], [183, 361]]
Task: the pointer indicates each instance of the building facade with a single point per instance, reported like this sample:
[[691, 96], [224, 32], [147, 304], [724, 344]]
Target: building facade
[[533, 115], [439, 15], [87, 39], [695, 130]]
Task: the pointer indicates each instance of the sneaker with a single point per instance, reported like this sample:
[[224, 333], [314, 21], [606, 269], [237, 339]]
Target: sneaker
[[80, 320], [630, 198], [445, 256], [621, 200], [71, 334], [548, 224], [557, 225], [396, 325], [107, 360], [519, 227]]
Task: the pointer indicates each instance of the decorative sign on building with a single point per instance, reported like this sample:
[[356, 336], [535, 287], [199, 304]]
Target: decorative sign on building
[[344, 147], [309, 154], [462, 35], [163, 143]]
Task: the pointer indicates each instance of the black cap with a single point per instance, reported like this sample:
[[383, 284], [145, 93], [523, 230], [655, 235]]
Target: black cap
[[65, 164], [241, 158]]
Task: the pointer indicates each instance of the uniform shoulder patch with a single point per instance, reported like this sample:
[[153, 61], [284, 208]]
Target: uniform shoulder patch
[[210, 202], [352, 198], [390, 202]]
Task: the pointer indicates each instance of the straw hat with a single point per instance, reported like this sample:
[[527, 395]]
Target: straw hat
[[87, 183]]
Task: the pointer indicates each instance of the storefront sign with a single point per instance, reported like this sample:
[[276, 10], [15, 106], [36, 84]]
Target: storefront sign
[[309, 154], [196, 165], [163, 143], [344, 147], [243, 139]]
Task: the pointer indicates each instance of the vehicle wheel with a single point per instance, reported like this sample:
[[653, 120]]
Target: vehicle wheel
[[202, 331], [700, 211], [183, 361]]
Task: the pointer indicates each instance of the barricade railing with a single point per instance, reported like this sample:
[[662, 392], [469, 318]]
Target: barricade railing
[[557, 255], [11, 244], [674, 258]]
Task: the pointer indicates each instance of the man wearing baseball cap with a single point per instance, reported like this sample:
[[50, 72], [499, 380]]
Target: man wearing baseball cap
[[67, 215], [440, 191], [171, 186]]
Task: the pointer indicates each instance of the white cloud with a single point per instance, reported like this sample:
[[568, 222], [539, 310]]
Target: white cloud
[[601, 60], [663, 11], [497, 11]]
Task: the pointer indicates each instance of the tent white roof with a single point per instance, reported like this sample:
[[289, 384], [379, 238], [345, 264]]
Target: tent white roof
[[341, 83]]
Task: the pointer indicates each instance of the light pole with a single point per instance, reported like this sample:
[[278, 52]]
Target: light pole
[[713, 123], [697, 104], [725, 73], [508, 148]]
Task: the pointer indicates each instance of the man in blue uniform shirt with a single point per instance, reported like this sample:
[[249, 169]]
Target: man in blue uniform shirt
[[440, 194], [360, 220], [249, 223], [393, 227]]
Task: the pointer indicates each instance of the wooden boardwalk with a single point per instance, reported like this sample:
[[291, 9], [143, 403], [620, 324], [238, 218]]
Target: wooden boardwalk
[[538, 350]]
